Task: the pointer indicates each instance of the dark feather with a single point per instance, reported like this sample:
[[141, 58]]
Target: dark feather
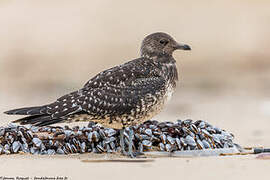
[[37, 120], [39, 110], [48, 122]]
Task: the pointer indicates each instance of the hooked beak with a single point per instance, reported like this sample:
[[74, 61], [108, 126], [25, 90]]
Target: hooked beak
[[182, 46]]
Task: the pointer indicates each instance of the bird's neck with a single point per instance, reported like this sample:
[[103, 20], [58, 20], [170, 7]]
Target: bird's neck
[[167, 66], [160, 58], [170, 69]]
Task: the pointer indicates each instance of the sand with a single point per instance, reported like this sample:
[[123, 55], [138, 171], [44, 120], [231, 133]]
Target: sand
[[73, 167], [49, 48]]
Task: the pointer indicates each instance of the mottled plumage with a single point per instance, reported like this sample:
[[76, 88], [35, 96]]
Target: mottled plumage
[[120, 96]]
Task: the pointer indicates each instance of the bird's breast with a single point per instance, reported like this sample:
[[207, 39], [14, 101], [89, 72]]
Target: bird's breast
[[171, 75], [168, 94]]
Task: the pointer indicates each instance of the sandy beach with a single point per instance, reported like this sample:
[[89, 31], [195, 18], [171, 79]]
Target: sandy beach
[[48, 49], [72, 167]]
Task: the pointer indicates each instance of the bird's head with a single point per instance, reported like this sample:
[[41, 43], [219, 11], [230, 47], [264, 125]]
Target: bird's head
[[160, 44]]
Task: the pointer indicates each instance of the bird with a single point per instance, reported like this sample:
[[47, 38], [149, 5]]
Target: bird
[[121, 96]]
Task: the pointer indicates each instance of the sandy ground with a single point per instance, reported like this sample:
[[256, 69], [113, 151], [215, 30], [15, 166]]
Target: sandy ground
[[49, 48], [73, 167]]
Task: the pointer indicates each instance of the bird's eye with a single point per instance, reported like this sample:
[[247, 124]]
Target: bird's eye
[[163, 42]]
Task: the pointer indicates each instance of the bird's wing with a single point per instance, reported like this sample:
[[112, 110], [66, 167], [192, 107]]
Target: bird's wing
[[112, 92], [119, 75], [118, 100]]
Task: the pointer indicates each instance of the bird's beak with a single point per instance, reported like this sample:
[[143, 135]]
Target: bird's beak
[[182, 46]]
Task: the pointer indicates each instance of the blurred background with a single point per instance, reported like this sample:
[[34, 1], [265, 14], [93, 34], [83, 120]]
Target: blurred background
[[50, 48]]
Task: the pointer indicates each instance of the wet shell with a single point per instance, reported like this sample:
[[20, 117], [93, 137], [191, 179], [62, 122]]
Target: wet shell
[[164, 136], [51, 152], [16, 146], [190, 141], [37, 142]]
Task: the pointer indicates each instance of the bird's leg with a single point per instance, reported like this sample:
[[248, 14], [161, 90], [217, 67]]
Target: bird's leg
[[130, 152], [130, 144], [122, 143]]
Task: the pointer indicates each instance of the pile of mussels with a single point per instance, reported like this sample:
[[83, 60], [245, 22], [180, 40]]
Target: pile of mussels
[[150, 136]]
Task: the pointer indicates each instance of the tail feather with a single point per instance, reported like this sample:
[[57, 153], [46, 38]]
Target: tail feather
[[38, 110], [37, 116], [51, 121], [24, 120], [38, 120]]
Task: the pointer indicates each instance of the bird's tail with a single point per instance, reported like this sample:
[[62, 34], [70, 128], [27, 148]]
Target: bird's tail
[[37, 116], [38, 110], [38, 120]]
